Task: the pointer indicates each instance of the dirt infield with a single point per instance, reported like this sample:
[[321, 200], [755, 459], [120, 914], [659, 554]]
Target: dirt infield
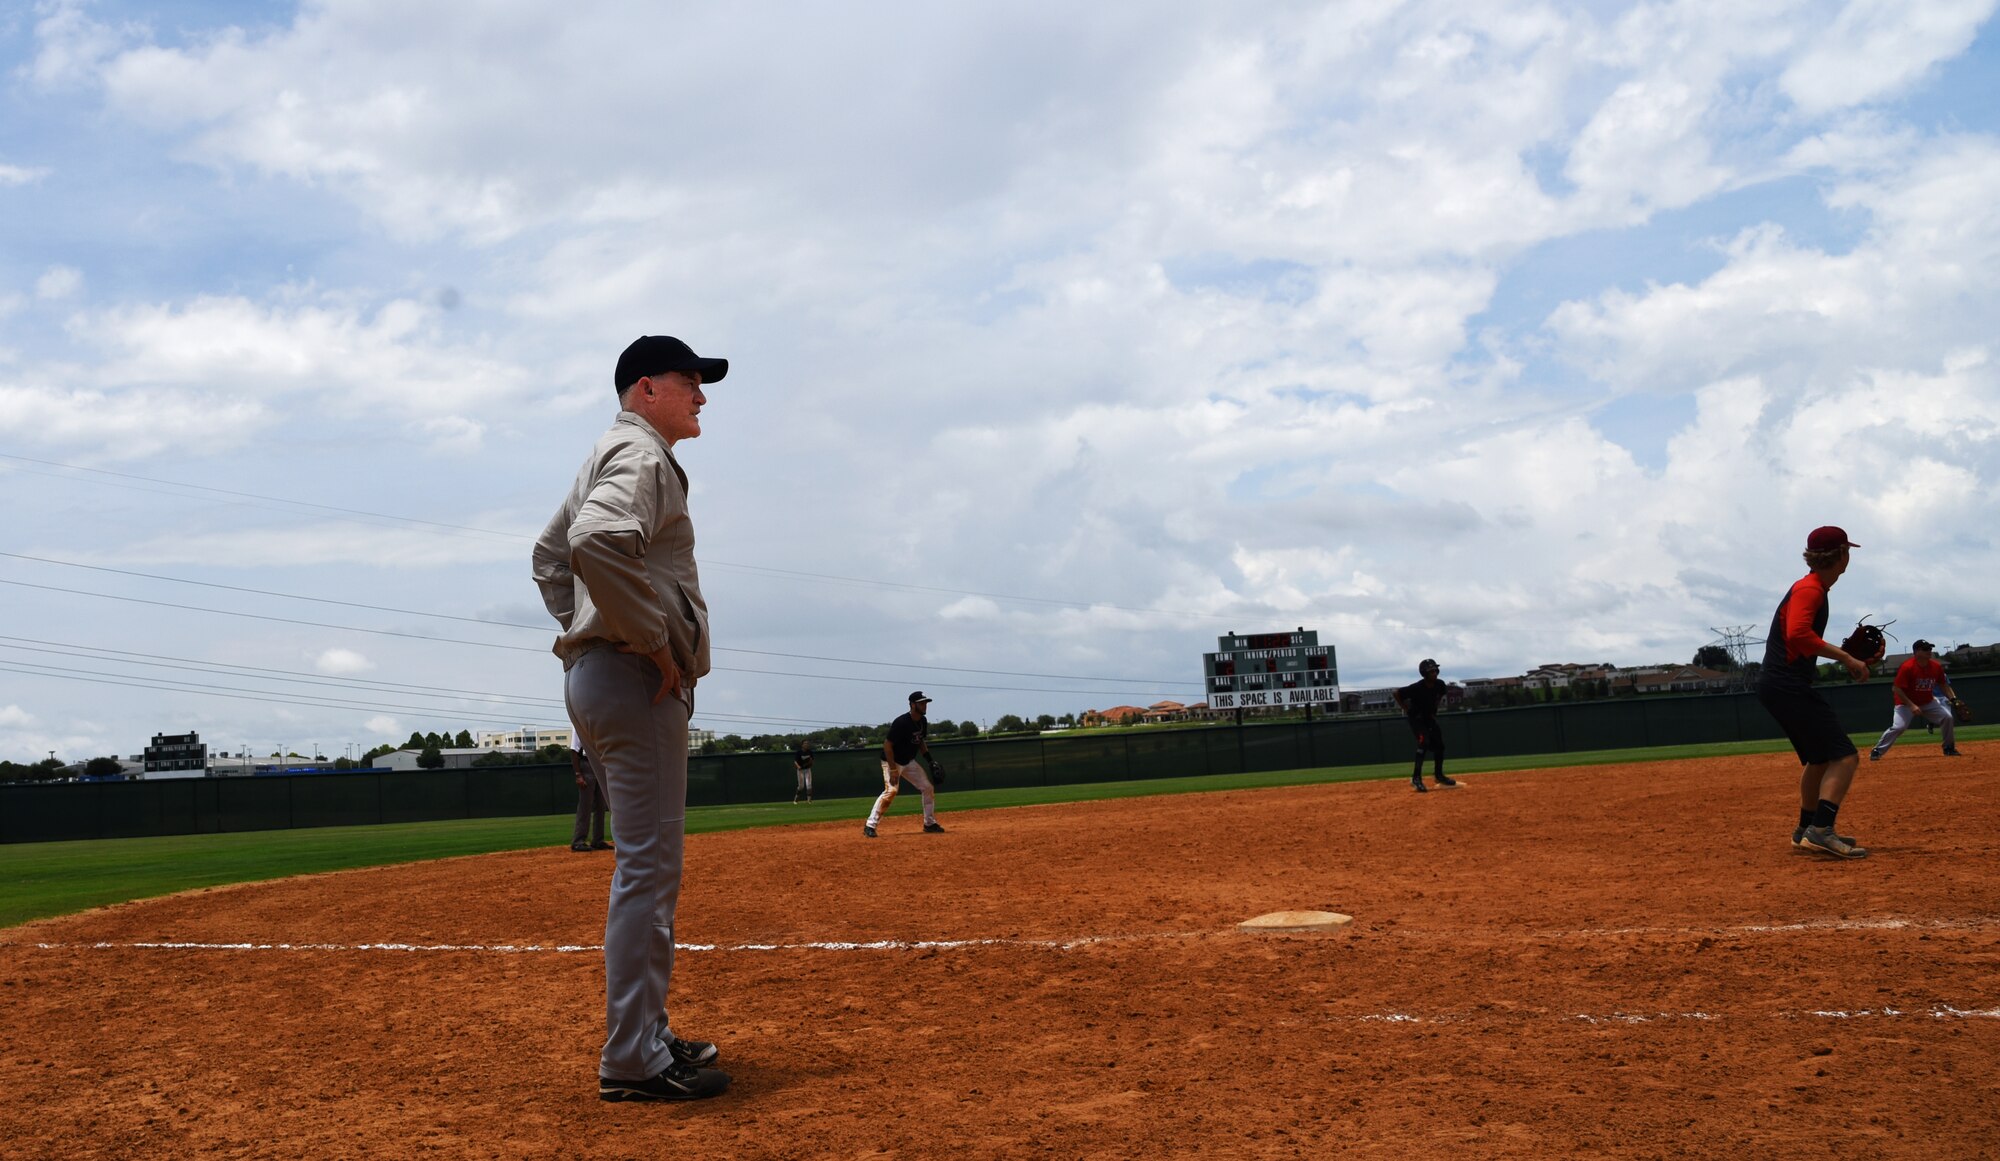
[[1625, 961]]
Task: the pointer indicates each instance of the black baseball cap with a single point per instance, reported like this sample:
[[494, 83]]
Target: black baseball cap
[[658, 354], [1922, 647], [917, 697]]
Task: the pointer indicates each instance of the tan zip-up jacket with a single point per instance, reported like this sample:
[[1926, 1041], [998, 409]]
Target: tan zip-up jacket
[[616, 563]]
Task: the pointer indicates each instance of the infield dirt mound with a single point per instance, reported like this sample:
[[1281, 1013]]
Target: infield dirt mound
[[1625, 960]]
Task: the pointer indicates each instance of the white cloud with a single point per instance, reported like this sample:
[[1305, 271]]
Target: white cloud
[[341, 662], [1876, 48], [1920, 282], [1645, 148], [453, 434], [59, 282], [214, 370], [383, 726], [15, 716], [393, 356], [93, 422], [970, 609], [21, 175], [70, 47]]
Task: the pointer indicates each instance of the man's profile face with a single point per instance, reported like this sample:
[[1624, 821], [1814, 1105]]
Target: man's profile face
[[919, 708], [672, 403]]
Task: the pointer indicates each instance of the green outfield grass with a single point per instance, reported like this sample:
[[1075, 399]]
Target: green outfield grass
[[38, 880]]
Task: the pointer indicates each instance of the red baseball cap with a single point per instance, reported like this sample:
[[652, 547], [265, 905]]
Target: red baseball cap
[[1828, 537]]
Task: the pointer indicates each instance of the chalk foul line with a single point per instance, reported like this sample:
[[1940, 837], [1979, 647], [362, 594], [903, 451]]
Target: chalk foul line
[[1939, 1011], [571, 948], [1804, 926]]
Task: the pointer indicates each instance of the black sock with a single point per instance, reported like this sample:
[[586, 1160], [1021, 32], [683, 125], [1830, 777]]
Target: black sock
[[1824, 816], [1806, 816]]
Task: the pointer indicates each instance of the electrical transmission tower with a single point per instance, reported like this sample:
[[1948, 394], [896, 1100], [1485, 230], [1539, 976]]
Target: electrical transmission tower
[[1735, 641]]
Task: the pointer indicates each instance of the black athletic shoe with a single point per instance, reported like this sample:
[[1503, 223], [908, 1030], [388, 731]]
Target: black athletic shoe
[[1953, 753], [694, 1053], [933, 828], [600, 845], [676, 1082], [1799, 838], [1417, 784], [1823, 841], [579, 846], [867, 830], [1446, 781]]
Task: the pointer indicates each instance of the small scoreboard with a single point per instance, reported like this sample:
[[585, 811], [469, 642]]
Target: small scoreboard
[[1263, 670]]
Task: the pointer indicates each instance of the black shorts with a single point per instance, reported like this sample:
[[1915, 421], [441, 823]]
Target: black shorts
[[1809, 722]]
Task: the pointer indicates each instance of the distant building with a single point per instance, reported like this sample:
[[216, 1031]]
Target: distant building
[[1682, 679], [699, 738], [174, 754], [526, 738], [455, 758]]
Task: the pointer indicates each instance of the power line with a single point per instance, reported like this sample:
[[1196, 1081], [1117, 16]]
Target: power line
[[224, 669], [439, 524], [547, 629], [518, 537], [169, 685], [70, 649], [267, 617], [527, 649]]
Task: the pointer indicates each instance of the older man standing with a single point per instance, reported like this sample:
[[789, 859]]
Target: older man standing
[[616, 569]]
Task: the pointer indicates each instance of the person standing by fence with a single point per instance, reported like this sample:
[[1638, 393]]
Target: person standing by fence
[[588, 833]]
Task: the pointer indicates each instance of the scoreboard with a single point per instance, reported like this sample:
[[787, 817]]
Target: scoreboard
[[1264, 670]]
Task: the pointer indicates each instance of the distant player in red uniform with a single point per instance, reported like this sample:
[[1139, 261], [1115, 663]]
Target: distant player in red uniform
[[1916, 691], [1792, 650]]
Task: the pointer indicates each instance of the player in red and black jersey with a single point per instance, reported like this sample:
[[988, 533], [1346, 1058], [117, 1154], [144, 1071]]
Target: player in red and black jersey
[[1792, 650], [1419, 702], [1915, 690]]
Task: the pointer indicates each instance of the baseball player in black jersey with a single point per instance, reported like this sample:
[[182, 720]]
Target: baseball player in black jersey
[[802, 769], [1419, 702], [907, 741]]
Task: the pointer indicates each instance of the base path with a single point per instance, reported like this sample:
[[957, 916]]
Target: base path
[[1617, 961]]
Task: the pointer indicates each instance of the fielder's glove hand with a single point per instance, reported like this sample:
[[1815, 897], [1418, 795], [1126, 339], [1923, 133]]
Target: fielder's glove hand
[[1961, 711], [937, 773], [1866, 644]]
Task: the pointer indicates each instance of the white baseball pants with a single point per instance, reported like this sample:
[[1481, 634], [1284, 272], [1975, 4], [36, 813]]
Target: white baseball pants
[[912, 772]]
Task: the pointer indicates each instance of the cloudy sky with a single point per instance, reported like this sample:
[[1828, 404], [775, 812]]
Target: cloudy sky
[[1063, 339]]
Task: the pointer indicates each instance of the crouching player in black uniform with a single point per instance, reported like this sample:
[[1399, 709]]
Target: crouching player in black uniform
[[1792, 650], [1419, 703]]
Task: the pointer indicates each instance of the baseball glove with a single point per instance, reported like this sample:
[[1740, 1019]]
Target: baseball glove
[[1961, 711], [1866, 644], [937, 773]]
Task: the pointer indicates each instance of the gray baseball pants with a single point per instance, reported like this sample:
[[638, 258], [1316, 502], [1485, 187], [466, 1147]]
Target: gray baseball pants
[[641, 751], [1934, 711]]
